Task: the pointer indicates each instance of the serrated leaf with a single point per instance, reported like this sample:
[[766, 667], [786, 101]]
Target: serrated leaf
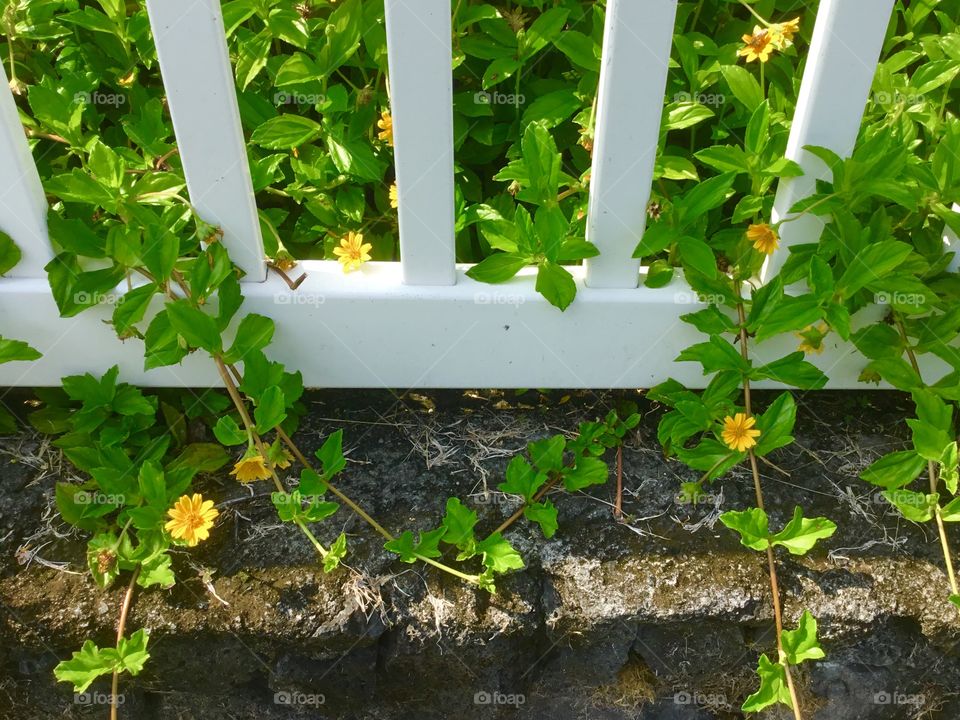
[[801, 534]]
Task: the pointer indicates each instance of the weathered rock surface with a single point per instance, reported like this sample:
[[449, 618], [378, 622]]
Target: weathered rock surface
[[659, 618]]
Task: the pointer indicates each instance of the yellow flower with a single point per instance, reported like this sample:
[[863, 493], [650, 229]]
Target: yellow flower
[[739, 433], [394, 197], [191, 519], [763, 237], [811, 338], [353, 251], [781, 34], [385, 123], [250, 467], [758, 46]]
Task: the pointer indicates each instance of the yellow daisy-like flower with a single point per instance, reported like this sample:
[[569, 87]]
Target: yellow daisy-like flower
[[781, 34], [353, 251], [763, 237], [394, 197], [385, 123], [758, 46], [738, 432], [191, 519], [251, 467]]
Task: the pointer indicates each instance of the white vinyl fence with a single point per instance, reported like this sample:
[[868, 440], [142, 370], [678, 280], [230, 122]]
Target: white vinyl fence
[[421, 322]]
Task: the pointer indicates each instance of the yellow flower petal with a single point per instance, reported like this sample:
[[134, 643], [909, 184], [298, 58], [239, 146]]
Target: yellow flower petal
[[191, 519]]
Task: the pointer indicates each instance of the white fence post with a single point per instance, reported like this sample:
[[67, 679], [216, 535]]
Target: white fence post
[[201, 93], [842, 62], [23, 206], [421, 97], [633, 75]]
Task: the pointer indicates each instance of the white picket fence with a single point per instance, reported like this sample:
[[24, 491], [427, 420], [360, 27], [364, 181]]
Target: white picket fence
[[421, 322]]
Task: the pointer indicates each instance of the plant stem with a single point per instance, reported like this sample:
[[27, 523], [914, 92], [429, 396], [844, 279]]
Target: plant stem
[[301, 458], [754, 13], [121, 626], [758, 491], [548, 486], [618, 503], [931, 471], [258, 441]]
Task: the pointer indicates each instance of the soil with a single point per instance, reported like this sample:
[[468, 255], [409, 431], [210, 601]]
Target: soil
[[662, 616]]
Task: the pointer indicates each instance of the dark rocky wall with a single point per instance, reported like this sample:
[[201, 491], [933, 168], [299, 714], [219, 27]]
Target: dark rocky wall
[[661, 617]]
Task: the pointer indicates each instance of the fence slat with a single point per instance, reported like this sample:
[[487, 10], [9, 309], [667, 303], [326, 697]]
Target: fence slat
[[23, 206], [421, 99], [843, 57], [633, 74], [201, 93]]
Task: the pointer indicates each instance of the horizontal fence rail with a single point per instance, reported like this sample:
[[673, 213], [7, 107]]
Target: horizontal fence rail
[[422, 322]]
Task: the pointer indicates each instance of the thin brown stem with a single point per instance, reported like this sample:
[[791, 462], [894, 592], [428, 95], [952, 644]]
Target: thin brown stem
[[618, 503], [758, 491], [931, 473], [547, 487], [121, 626]]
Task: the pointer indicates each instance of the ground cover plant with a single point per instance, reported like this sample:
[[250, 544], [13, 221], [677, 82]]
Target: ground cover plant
[[313, 90]]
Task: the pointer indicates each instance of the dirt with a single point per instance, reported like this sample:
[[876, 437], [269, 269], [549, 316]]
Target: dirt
[[661, 616]]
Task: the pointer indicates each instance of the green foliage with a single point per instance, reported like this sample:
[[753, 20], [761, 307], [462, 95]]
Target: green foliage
[[90, 662]]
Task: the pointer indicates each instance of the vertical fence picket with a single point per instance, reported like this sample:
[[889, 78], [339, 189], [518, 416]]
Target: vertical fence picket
[[843, 57], [633, 75], [23, 206], [201, 93], [421, 102]]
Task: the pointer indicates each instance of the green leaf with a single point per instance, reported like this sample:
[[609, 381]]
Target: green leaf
[[498, 268], [270, 410], [458, 524], [285, 132], [522, 479], [195, 326], [776, 424], [157, 571], [556, 284], [801, 534], [153, 487], [9, 253], [331, 456], [337, 552], [914, 506], [588, 471], [752, 525], [254, 333], [499, 555], [872, 263], [715, 355], [773, 687], [547, 454], [793, 370], [802, 644], [131, 307], [86, 665], [545, 515], [16, 350], [228, 432], [743, 85], [895, 470]]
